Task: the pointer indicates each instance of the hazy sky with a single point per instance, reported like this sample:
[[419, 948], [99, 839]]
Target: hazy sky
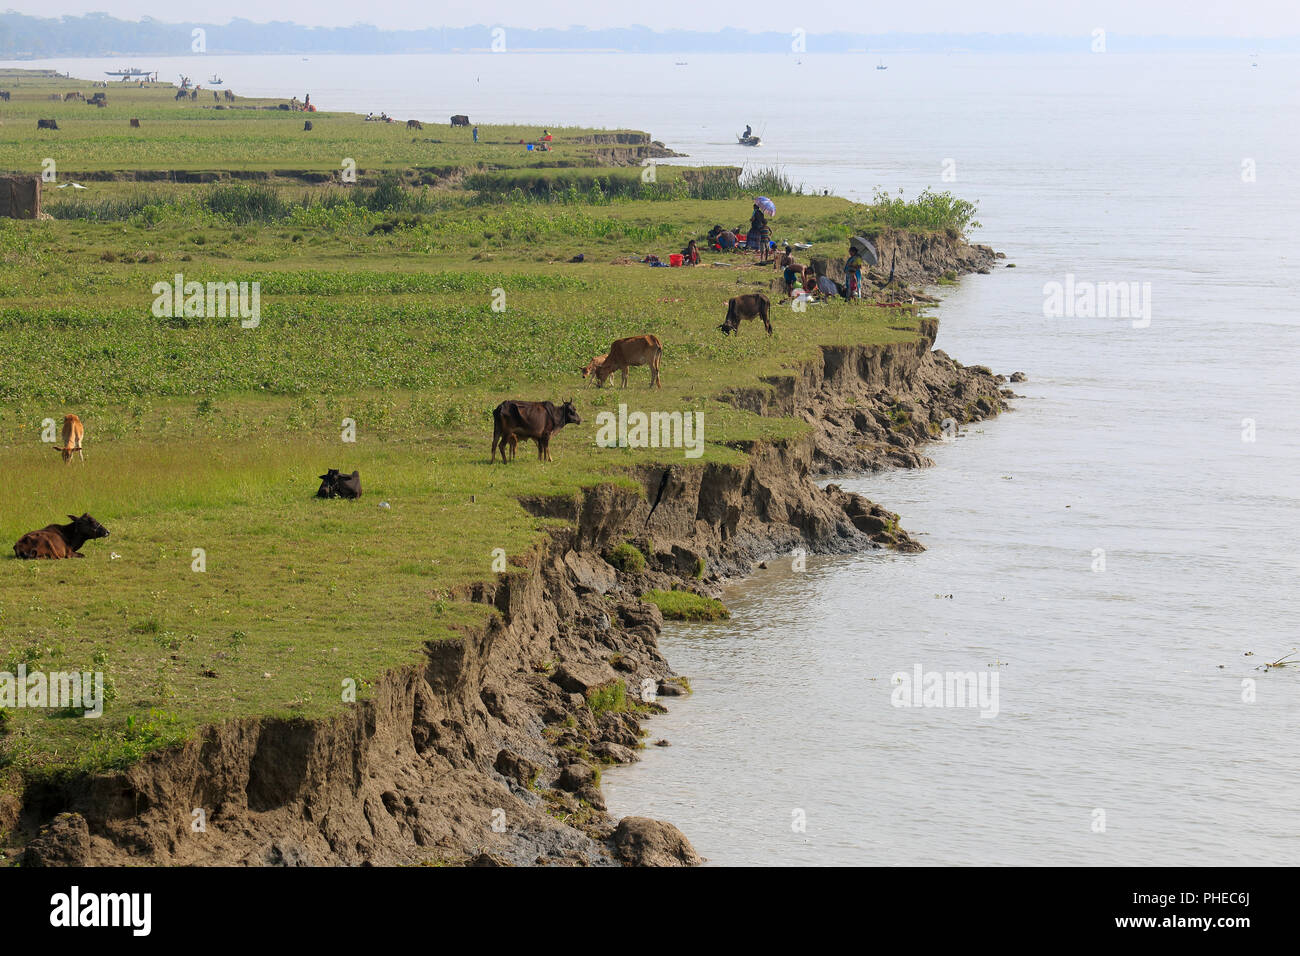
[[1262, 18]]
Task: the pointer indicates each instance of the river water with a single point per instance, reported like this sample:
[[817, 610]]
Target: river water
[[1121, 550]]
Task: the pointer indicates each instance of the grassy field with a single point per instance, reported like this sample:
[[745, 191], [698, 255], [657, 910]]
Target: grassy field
[[204, 434], [247, 135]]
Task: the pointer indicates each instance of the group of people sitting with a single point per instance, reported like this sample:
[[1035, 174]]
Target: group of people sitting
[[757, 236], [799, 280]]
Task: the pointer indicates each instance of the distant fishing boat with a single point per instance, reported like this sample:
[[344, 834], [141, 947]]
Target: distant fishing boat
[[127, 71], [749, 141], [881, 65], [215, 80]]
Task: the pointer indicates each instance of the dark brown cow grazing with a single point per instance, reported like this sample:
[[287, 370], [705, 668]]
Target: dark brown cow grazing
[[135, 124], [460, 120], [46, 124], [751, 306], [414, 124], [335, 484], [625, 353], [60, 540], [512, 420]]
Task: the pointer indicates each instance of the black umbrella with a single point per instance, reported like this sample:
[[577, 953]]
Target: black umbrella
[[865, 249]]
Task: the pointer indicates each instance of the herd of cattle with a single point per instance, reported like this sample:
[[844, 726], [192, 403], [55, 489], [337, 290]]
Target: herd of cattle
[[511, 421]]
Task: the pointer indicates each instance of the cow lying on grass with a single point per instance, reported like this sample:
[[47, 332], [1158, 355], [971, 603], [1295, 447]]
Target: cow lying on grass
[[335, 484], [622, 355], [754, 305], [60, 540], [512, 420]]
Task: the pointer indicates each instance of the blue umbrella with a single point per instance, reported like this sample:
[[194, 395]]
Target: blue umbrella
[[766, 205]]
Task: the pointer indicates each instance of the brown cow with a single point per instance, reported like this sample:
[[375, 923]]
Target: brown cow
[[46, 124], [625, 353], [135, 124], [72, 435], [60, 540], [750, 306], [460, 119], [512, 420], [414, 124]]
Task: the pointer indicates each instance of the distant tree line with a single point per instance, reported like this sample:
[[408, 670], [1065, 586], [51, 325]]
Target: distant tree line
[[98, 34]]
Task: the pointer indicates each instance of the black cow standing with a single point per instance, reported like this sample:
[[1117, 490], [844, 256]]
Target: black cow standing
[[334, 484], [513, 420]]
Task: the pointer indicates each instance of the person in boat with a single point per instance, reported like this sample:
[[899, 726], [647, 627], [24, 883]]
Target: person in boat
[[748, 132], [853, 275]]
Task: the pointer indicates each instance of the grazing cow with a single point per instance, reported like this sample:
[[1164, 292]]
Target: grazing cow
[[512, 420], [135, 124], [74, 95], [414, 124], [72, 435], [460, 120], [622, 355], [60, 540], [750, 306], [334, 484], [46, 124]]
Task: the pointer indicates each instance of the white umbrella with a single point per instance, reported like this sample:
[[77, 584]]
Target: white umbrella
[[766, 205]]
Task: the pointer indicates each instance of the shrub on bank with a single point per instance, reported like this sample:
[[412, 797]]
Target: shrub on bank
[[687, 606]]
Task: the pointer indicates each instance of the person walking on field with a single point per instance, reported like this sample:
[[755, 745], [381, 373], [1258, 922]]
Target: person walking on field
[[476, 134]]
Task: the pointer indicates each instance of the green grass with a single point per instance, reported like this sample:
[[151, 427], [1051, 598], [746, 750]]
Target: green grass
[[626, 558], [203, 434], [687, 606], [610, 698]]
